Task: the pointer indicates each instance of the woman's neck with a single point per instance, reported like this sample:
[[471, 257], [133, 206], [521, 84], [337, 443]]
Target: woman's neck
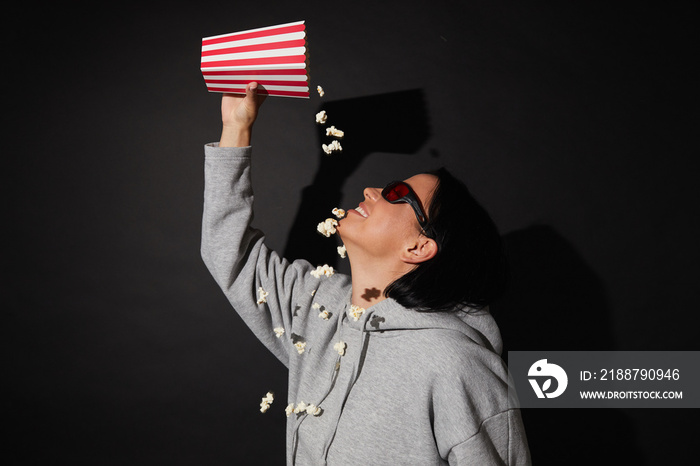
[[369, 280]]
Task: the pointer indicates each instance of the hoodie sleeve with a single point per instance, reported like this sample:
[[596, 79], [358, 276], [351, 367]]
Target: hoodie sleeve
[[474, 416], [500, 441], [260, 285]]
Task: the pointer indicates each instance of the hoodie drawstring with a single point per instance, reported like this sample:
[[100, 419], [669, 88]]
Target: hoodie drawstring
[[351, 382]]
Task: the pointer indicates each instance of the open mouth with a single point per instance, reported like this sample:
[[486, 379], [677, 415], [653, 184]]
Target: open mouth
[[361, 211]]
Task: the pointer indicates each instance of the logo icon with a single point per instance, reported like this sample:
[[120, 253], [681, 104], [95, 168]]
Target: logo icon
[[547, 371]]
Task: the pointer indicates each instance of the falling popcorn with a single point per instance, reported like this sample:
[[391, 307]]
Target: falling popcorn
[[313, 410], [323, 270], [321, 117], [301, 346], [356, 312], [333, 131], [320, 91], [279, 331], [267, 401], [332, 147], [342, 251], [340, 213], [315, 306], [340, 347], [324, 314], [262, 295], [301, 407], [327, 227]]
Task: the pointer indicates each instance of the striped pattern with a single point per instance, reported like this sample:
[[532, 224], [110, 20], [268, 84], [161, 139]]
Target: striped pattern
[[274, 56]]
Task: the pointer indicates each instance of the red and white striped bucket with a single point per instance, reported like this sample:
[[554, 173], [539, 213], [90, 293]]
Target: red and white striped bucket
[[273, 56]]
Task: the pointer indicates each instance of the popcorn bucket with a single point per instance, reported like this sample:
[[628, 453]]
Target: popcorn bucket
[[273, 56]]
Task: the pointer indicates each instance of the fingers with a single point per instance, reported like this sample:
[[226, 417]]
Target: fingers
[[252, 93], [251, 89]]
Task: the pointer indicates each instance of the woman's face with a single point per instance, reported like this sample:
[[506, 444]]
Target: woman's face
[[380, 228]]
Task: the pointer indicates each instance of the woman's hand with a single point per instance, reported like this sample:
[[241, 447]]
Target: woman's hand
[[238, 113]]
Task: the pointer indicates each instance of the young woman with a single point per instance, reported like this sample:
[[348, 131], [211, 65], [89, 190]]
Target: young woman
[[399, 362]]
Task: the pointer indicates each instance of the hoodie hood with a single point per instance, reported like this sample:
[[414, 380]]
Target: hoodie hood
[[388, 315]]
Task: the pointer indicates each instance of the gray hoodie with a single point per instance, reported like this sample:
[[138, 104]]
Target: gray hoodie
[[389, 386]]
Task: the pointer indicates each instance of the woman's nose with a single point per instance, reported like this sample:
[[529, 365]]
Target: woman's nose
[[372, 193]]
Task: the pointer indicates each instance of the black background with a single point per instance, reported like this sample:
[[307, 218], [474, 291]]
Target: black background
[[574, 123]]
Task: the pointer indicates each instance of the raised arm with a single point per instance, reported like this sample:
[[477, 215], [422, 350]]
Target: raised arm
[[232, 250]]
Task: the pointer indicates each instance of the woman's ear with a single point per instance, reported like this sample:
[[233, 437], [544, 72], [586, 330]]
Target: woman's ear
[[422, 250]]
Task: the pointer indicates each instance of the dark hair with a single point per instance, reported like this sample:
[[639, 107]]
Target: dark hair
[[469, 268]]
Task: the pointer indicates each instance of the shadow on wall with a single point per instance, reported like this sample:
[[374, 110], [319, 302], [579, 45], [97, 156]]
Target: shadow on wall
[[392, 123], [557, 302]]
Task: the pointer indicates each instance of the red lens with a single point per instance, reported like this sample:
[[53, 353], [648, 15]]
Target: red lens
[[395, 192]]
